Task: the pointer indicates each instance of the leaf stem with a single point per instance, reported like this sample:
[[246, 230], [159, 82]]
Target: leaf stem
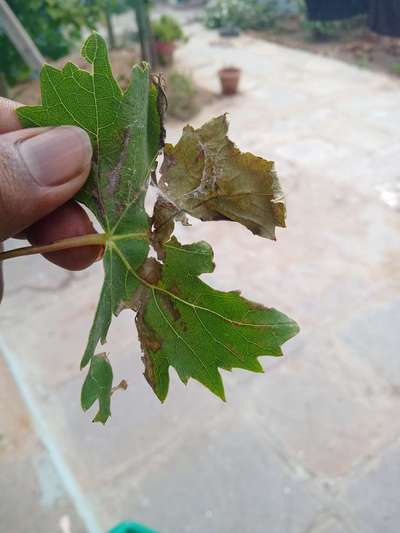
[[94, 239]]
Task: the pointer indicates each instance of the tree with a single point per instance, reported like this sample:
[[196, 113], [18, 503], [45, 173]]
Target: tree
[[104, 9], [53, 25], [14, 30], [141, 8]]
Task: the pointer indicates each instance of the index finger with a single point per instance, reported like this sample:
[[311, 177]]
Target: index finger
[[8, 122], [8, 117]]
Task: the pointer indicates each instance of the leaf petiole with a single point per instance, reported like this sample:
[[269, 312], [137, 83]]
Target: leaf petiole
[[94, 239]]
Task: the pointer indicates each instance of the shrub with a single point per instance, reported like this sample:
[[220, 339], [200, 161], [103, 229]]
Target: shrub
[[42, 28], [182, 93], [54, 25], [244, 14], [395, 69], [167, 29], [320, 31]]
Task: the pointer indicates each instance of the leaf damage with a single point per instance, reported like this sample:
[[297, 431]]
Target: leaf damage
[[181, 321], [207, 176]]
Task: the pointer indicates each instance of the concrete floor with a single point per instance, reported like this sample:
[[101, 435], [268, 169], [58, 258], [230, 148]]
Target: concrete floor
[[313, 446]]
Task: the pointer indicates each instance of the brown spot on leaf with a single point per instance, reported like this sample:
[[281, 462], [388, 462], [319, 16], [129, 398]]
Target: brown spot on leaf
[[99, 206], [162, 223], [148, 341], [151, 344], [169, 160], [183, 325], [175, 289], [123, 385], [162, 103], [200, 156], [170, 307], [151, 271], [114, 176]]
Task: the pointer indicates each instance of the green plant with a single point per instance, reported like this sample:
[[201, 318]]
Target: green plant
[[54, 25], [395, 69], [181, 321], [181, 93], [320, 31], [244, 14], [315, 30], [364, 60], [42, 19], [167, 29]]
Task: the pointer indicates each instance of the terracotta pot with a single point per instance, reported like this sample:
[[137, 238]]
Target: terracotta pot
[[229, 78], [165, 52]]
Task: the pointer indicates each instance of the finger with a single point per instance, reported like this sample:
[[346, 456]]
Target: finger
[[69, 220], [8, 122], [1, 275], [40, 169], [8, 117]]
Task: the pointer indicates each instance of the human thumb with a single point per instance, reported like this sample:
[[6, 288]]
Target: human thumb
[[40, 169]]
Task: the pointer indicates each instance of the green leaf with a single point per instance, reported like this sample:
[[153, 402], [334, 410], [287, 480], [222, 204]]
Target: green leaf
[[184, 323], [206, 175], [98, 386], [125, 130]]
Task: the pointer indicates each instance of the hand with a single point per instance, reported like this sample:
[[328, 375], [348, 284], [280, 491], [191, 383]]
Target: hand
[[41, 169]]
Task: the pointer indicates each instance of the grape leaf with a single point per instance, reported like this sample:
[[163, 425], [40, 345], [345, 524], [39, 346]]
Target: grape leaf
[[125, 131], [206, 175], [184, 323], [181, 321], [98, 386]]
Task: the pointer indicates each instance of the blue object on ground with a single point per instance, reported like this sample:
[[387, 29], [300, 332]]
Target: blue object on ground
[[131, 527]]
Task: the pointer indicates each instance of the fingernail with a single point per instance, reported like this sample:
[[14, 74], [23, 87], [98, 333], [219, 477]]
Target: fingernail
[[57, 155]]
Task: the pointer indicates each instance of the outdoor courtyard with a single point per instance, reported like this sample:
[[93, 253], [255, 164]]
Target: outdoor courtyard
[[311, 446]]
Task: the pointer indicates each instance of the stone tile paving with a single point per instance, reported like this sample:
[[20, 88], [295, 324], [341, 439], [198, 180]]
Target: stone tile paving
[[314, 445], [33, 495]]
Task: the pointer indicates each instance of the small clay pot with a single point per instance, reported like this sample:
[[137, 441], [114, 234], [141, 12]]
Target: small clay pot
[[165, 52], [229, 78]]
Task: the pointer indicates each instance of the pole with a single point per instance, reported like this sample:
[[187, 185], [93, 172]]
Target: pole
[[20, 38], [3, 85], [145, 33], [110, 28]]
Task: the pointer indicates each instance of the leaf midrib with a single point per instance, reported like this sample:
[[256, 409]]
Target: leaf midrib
[[112, 246]]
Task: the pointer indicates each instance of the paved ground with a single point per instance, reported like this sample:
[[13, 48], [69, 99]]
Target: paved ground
[[313, 446]]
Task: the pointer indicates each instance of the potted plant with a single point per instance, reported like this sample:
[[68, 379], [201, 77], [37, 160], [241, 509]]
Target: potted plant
[[229, 78], [167, 31]]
